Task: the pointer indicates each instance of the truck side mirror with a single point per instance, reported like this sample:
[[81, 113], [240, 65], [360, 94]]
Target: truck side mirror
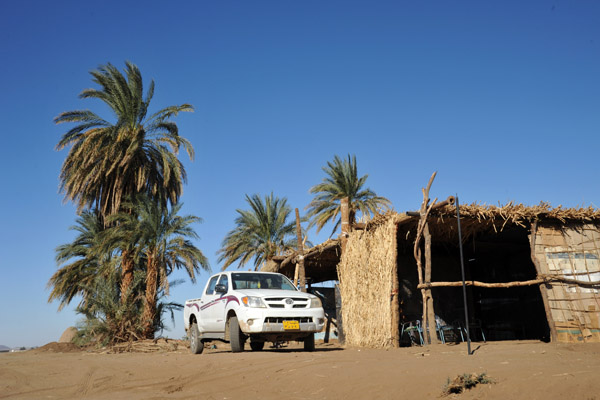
[[221, 289]]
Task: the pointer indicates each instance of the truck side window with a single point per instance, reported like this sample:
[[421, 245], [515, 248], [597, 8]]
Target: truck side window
[[211, 285], [224, 281]]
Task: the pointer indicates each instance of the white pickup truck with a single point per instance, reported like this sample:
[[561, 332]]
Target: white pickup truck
[[260, 306]]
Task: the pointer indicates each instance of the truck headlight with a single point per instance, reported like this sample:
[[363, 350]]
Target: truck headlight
[[253, 301], [315, 302]]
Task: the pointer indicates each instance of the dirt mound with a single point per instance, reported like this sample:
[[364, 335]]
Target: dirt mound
[[56, 347]]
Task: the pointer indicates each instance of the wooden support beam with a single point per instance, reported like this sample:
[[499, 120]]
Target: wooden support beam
[[301, 272], [542, 279], [480, 284], [395, 301], [428, 322], [345, 211], [428, 298], [448, 202]]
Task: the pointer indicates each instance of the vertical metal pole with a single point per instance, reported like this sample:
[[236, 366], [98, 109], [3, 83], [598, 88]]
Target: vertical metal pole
[[462, 268]]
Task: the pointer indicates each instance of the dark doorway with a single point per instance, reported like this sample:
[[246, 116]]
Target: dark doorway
[[496, 313]]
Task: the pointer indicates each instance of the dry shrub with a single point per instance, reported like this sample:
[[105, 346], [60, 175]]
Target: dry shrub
[[464, 382], [365, 273]]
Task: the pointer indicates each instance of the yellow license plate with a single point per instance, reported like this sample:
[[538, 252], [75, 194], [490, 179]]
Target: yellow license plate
[[291, 325]]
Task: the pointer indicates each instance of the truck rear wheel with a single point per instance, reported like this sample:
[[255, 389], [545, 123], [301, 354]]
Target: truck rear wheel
[[309, 342], [257, 346], [236, 337], [196, 345]]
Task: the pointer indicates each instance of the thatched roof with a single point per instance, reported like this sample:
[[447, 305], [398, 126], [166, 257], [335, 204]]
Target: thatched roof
[[320, 262], [478, 218], [518, 214]]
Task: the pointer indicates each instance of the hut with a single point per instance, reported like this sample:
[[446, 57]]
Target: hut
[[532, 273]]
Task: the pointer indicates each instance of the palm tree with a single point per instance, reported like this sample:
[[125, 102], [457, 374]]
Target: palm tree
[[107, 320], [342, 181], [134, 154], [260, 233], [162, 239], [84, 259]]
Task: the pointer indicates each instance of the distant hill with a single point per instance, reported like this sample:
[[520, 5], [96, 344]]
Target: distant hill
[[4, 348]]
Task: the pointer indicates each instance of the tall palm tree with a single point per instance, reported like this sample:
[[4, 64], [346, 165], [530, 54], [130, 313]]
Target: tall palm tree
[[135, 153], [342, 181], [84, 259], [261, 232], [162, 238]]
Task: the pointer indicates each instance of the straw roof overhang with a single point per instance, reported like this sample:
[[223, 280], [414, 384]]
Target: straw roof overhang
[[478, 218], [320, 262]]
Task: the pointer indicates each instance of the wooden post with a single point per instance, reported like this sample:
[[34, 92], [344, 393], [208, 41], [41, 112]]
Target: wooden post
[[301, 273], [543, 286], [428, 298], [345, 211], [395, 301], [428, 322]]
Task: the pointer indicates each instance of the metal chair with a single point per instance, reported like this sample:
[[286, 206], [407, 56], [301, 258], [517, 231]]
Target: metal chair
[[412, 329], [449, 332], [475, 325]]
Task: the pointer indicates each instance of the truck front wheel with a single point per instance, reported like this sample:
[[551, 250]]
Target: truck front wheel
[[236, 336], [196, 345], [309, 342]]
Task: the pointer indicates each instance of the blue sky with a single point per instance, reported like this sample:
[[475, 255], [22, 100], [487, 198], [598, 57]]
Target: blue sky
[[501, 98]]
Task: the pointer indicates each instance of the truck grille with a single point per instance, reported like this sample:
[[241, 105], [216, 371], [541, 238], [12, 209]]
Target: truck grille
[[282, 302], [279, 320]]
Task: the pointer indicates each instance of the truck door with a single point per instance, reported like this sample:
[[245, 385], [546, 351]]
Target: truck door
[[208, 299], [219, 308], [215, 307]]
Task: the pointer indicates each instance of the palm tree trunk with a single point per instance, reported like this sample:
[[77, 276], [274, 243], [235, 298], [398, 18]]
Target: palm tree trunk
[[150, 303], [126, 275]]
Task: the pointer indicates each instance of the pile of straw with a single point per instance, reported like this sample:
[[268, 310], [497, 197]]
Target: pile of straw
[[365, 274]]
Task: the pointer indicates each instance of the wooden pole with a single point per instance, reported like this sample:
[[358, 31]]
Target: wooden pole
[[429, 311], [300, 264], [345, 211], [428, 322], [542, 279], [544, 287], [344, 206], [395, 300], [481, 284]]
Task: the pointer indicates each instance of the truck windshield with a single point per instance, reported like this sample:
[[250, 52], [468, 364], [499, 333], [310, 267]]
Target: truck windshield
[[261, 281]]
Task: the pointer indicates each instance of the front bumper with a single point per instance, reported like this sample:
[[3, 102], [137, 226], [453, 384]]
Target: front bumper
[[261, 320]]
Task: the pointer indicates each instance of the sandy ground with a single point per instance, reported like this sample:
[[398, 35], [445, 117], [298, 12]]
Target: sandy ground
[[522, 370]]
